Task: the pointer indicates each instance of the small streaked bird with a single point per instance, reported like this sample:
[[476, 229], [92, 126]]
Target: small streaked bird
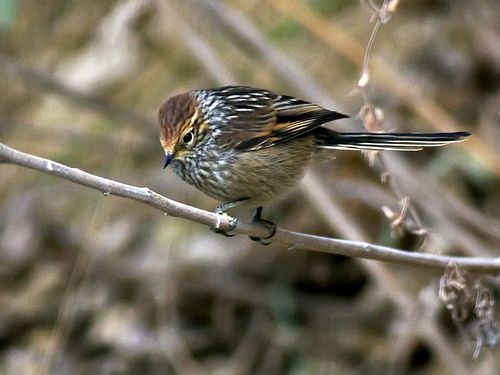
[[242, 144]]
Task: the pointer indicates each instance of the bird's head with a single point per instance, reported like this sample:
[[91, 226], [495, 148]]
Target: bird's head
[[180, 126]]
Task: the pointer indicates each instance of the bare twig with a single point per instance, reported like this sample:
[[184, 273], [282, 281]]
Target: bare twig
[[372, 118], [387, 77], [297, 240], [10, 66]]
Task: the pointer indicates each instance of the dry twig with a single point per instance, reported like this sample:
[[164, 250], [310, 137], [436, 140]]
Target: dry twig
[[297, 240]]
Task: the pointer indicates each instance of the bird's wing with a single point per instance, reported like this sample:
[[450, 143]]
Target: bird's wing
[[296, 117], [242, 113], [257, 118]]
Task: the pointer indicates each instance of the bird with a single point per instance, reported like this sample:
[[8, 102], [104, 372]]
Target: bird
[[241, 144]]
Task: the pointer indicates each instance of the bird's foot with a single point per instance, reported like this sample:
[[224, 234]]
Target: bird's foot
[[257, 219], [232, 221], [221, 210]]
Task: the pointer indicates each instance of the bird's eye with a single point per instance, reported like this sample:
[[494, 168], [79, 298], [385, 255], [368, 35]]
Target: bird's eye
[[188, 138]]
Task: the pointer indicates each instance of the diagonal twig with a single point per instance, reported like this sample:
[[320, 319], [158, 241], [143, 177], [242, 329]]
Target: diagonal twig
[[291, 239]]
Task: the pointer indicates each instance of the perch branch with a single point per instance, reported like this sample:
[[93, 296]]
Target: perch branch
[[293, 240]]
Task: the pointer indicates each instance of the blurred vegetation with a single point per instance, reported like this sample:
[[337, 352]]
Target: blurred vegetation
[[97, 284]]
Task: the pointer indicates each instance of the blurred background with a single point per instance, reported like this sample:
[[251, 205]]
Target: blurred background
[[95, 284]]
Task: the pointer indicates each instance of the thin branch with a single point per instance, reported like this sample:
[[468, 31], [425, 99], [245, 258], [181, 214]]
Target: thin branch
[[372, 122], [11, 67], [387, 77], [223, 222]]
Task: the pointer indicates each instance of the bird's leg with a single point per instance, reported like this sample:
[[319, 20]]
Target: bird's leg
[[221, 210], [228, 205], [268, 224]]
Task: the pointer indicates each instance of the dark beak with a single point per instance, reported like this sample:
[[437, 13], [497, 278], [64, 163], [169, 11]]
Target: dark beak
[[168, 158]]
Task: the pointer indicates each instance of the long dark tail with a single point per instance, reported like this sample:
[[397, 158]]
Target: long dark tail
[[386, 141]]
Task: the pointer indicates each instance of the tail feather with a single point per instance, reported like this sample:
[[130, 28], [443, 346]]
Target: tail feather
[[386, 141]]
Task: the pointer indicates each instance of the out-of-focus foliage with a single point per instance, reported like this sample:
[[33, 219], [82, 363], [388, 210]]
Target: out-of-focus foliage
[[90, 283]]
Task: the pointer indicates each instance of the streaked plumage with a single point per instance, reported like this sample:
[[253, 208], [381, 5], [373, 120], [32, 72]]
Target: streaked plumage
[[238, 142]]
